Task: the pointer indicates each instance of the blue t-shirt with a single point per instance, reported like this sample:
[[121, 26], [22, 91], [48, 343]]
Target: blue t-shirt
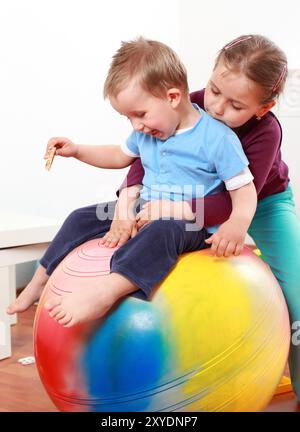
[[190, 164]]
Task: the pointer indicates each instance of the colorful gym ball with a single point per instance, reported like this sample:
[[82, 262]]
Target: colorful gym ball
[[214, 337]]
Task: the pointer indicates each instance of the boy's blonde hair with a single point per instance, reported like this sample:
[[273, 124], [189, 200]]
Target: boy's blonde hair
[[156, 67]]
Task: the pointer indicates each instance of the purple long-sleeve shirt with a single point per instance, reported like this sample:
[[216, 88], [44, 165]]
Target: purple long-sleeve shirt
[[261, 141]]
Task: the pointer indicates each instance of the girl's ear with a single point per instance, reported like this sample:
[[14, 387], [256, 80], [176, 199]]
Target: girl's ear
[[265, 108]]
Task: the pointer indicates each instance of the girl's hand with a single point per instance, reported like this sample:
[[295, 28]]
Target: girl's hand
[[64, 147], [120, 232], [158, 209], [229, 239]]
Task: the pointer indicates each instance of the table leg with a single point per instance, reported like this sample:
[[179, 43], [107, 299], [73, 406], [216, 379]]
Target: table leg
[[5, 335], [12, 290]]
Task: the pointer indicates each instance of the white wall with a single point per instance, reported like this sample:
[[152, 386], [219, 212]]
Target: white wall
[[204, 27], [54, 58]]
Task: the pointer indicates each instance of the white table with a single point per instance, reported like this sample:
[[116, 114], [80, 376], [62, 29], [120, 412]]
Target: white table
[[23, 238]]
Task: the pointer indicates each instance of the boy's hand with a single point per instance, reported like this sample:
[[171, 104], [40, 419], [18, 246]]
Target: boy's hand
[[64, 147], [229, 239], [124, 225], [157, 209], [120, 231]]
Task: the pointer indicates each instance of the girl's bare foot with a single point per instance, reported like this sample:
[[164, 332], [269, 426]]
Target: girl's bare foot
[[91, 303], [31, 293]]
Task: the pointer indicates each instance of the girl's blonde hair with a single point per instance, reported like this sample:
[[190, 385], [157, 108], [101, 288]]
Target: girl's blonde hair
[[260, 60], [156, 67]]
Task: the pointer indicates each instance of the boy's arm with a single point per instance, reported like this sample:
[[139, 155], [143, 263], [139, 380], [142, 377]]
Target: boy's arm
[[107, 156], [229, 238], [125, 205]]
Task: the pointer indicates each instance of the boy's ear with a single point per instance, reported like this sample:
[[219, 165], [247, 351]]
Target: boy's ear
[[174, 96], [265, 108]]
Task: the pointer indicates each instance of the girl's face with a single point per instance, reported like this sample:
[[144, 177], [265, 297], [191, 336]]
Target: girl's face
[[232, 98]]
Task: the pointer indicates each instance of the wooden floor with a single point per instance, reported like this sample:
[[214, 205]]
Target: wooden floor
[[21, 389], [20, 386]]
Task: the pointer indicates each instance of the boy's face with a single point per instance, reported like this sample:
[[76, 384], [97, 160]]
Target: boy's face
[[147, 113]]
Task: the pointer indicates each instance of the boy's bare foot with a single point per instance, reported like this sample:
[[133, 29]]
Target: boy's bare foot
[[91, 303], [31, 293]]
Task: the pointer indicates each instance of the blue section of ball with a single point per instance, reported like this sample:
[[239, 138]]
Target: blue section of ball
[[123, 360]]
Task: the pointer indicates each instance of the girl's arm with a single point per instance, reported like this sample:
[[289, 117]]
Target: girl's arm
[[244, 202], [230, 237], [134, 177]]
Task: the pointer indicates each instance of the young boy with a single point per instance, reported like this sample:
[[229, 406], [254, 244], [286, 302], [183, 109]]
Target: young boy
[[180, 146]]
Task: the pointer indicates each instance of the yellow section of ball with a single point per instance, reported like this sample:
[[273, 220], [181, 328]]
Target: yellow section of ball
[[231, 328]]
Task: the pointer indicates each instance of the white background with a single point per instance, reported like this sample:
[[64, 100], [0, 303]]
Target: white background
[[54, 58]]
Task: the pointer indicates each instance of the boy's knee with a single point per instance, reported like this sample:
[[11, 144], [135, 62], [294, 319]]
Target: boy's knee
[[74, 216]]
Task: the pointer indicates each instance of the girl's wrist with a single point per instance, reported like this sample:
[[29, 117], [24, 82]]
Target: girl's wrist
[[243, 221]]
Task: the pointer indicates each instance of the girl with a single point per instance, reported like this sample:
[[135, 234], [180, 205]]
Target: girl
[[248, 76]]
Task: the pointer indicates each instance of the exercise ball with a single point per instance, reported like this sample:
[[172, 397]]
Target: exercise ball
[[214, 337]]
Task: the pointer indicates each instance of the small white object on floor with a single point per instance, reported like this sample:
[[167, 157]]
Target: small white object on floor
[[26, 360]]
